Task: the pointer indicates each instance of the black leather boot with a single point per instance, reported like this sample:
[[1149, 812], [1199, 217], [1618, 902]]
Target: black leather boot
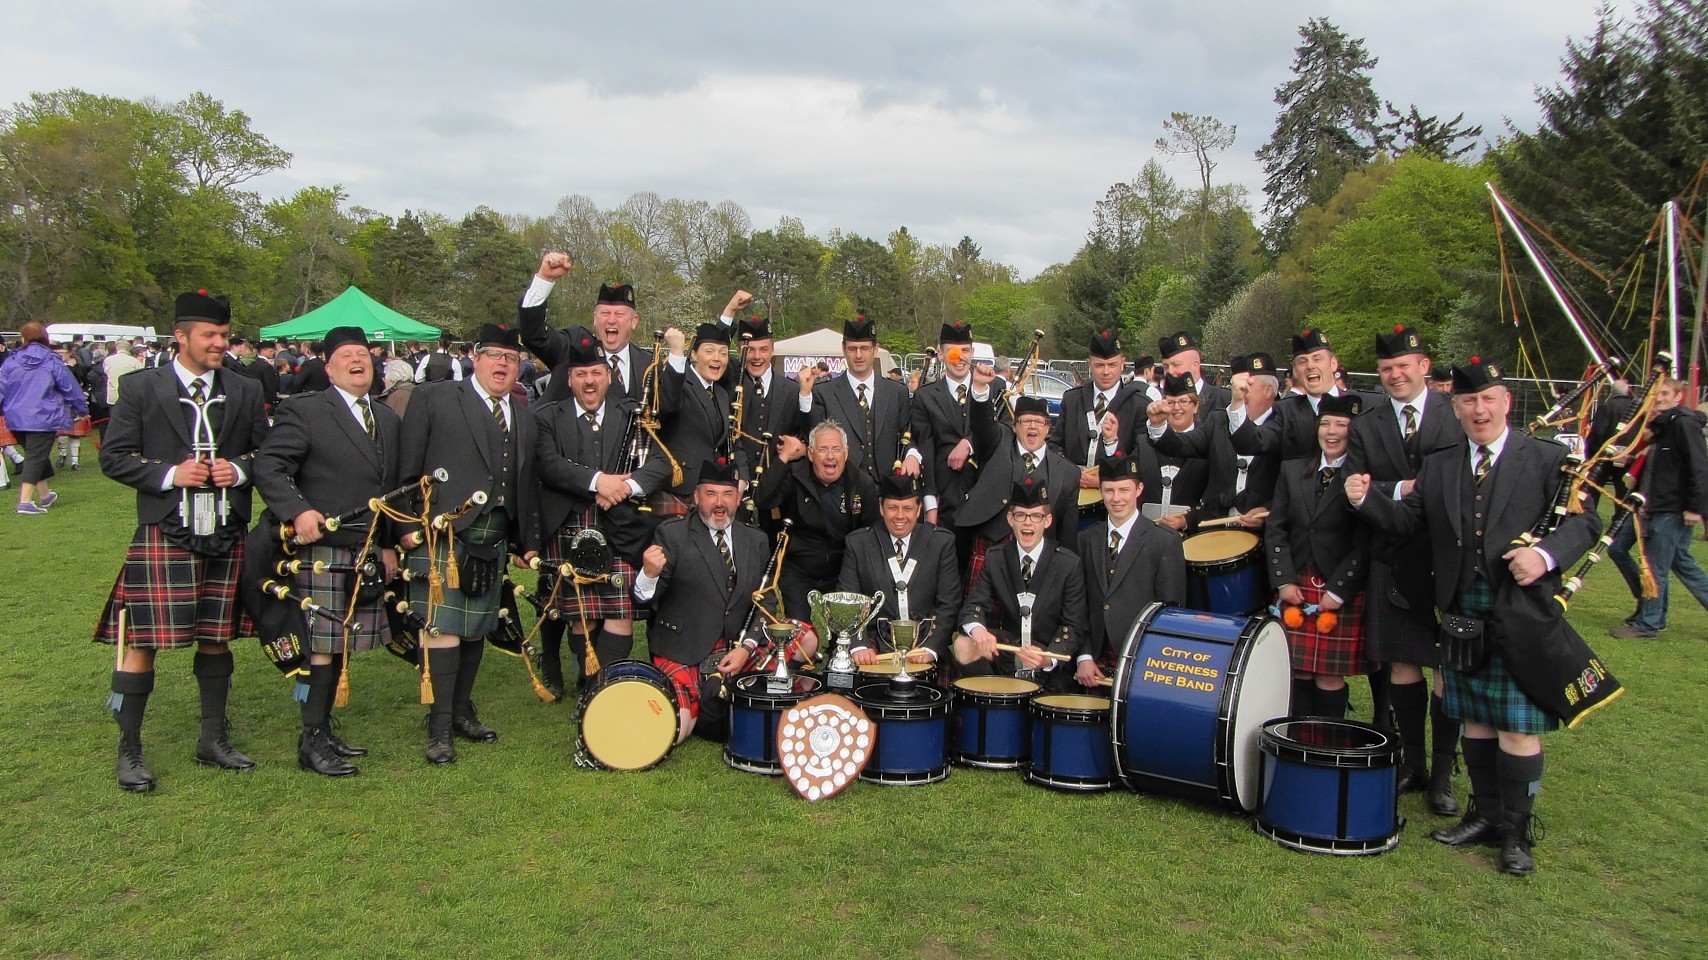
[[1444, 740], [443, 662], [1520, 781], [1304, 698], [213, 677], [1411, 701], [1382, 710], [1483, 820], [130, 701], [465, 721], [1330, 703], [315, 754]]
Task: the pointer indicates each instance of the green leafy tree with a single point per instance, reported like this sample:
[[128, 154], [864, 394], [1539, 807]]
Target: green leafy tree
[[1200, 137], [308, 241], [863, 270], [489, 267], [1225, 268], [1328, 126]]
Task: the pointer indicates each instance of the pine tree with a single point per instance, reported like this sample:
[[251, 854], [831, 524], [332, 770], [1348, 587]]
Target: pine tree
[[1328, 126]]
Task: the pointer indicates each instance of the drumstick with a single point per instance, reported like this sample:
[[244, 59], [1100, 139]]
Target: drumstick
[[1058, 657], [1106, 681], [1260, 514], [893, 656]]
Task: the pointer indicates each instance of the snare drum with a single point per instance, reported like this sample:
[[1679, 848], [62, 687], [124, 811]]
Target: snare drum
[[1222, 574], [925, 673], [1070, 743], [992, 725], [1330, 786], [628, 718], [753, 716], [912, 741], [1192, 692]]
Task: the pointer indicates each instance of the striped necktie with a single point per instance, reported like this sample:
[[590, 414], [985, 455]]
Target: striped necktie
[[498, 415], [729, 558], [368, 419], [1026, 571], [1485, 462]]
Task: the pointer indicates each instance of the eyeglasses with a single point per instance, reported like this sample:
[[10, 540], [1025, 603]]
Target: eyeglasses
[[508, 356], [1020, 517]]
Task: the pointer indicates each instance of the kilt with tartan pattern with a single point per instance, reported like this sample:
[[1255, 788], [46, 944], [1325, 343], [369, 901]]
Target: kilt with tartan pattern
[[975, 561], [685, 677], [460, 615], [666, 504], [172, 597], [1393, 635], [598, 601], [1489, 696], [368, 629], [1338, 652]]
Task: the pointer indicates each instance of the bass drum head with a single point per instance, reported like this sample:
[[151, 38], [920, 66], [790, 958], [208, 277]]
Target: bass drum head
[[629, 724], [1256, 700]]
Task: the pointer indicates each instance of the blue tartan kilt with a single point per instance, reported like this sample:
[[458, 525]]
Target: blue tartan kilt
[[460, 614], [1490, 696], [368, 629]]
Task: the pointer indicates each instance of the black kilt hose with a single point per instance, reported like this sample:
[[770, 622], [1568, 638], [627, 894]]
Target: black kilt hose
[[172, 597], [462, 615], [1392, 634], [598, 601], [369, 628]]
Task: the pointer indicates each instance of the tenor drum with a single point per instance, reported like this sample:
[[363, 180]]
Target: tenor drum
[[1070, 743], [753, 716], [912, 739], [992, 726], [1330, 786], [628, 717], [1222, 573], [925, 673], [1192, 691]]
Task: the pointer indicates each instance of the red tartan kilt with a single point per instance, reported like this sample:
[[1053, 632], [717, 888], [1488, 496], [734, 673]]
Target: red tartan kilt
[[174, 598], [597, 601], [685, 677], [6, 438], [1338, 653], [975, 561], [81, 427], [667, 504]]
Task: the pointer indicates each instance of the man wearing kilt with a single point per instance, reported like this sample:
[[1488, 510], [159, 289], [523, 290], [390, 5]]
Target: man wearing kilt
[[474, 430], [699, 577], [328, 454], [579, 452], [1476, 500], [178, 586], [1129, 563], [1389, 442], [1317, 553]]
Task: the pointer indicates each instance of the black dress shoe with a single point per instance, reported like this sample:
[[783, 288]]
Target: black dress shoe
[[473, 730], [440, 749], [315, 754], [215, 750], [343, 749], [1515, 858], [1413, 780], [1473, 829], [555, 689], [1442, 802], [133, 774]]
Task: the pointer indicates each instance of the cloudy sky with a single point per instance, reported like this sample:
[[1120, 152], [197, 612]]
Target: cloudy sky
[[1002, 120]]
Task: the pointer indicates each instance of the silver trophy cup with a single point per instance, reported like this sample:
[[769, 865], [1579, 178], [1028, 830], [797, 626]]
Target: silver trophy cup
[[840, 616]]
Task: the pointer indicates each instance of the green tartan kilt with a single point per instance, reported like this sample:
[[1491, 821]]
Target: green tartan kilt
[[1490, 696], [461, 614], [369, 628]]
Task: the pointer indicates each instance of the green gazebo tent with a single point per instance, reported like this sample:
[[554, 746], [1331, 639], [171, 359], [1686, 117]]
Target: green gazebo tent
[[353, 308]]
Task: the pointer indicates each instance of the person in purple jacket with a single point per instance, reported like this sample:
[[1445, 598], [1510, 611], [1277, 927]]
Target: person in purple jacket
[[39, 397]]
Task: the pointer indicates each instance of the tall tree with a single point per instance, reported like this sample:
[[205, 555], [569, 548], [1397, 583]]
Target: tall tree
[[489, 264], [308, 241], [1328, 125], [1412, 132], [1201, 137]]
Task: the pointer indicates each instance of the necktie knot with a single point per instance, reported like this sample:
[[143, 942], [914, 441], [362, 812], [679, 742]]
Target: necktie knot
[[1026, 570], [1328, 474], [498, 415], [1410, 414], [961, 393], [198, 391], [901, 549], [367, 418], [1485, 461], [1030, 460], [592, 420]]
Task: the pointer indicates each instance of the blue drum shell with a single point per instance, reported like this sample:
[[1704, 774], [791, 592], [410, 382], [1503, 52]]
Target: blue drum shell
[[1329, 786], [753, 717], [912, 739], [1070, 744], [993, 725]]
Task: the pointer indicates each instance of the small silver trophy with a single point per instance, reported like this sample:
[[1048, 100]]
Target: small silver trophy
[[904, 636], [780, 682], [840, 616]]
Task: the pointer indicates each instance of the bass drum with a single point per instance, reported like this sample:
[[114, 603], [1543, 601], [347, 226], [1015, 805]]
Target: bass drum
[[1192, 692], [628, 718]]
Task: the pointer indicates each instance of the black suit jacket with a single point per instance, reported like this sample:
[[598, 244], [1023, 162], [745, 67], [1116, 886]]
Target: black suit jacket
[[568, 457], [1151, 568], [552, 348], [1377, 447], [694, 607], [1058, 610], [311, 376], [694, 426], [1290, 431], [1518, 491], [1212, 443], [987, 503], [776, 412], [790, 492], [1072, 433], [1313, 525], [940, 422], [318, 456], [448, 425], [892, 415], [149, 434], [933, 589]]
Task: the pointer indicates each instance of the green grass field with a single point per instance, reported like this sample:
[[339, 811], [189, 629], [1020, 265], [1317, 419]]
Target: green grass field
[[514, 852]]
